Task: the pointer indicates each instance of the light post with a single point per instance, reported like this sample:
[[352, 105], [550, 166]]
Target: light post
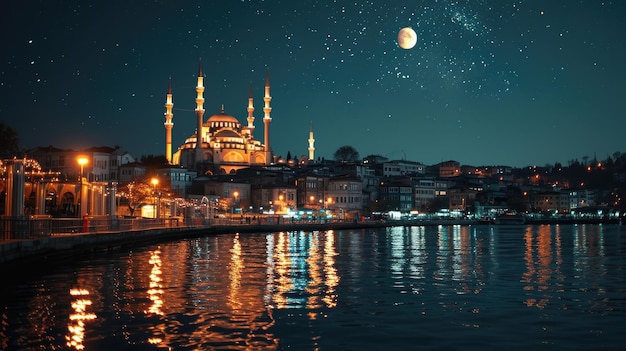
[[82, 161], [155, 182], [236, 195]]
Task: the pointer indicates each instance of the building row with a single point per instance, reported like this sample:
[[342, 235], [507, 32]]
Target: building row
[[341, 189]]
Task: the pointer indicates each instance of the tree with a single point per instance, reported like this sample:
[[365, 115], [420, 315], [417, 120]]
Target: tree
[[135, 194], [346, 153], [152, 162], [9, 141]]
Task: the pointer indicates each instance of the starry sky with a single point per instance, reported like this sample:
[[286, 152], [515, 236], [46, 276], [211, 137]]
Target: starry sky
[[489, 82]]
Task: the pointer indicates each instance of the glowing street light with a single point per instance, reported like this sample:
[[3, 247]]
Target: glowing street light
[[155, 182], [82, 161], [235, 195]]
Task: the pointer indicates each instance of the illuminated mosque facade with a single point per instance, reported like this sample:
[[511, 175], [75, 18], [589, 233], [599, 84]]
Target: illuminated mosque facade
[[221, 144]]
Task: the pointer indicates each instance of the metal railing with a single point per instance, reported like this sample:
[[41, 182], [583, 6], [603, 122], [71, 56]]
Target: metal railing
[[24, 227], [37, 227]]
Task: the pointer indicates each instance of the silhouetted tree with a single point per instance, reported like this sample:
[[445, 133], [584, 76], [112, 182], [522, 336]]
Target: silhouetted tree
[[153, 162], [9, 141], [346, 153]]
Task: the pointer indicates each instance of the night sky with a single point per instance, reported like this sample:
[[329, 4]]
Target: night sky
[[488, 83]]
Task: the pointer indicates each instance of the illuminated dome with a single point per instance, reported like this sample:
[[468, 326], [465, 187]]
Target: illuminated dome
[[221, 117]]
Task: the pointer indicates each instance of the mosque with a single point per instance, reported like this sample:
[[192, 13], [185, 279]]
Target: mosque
[[222, 145]]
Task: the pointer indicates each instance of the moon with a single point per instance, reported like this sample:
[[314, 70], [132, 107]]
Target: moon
[[407, 38]]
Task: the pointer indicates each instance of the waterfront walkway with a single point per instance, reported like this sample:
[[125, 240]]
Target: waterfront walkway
[[66, 244]]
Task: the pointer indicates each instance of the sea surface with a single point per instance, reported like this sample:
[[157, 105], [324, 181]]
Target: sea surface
[[481, 287]]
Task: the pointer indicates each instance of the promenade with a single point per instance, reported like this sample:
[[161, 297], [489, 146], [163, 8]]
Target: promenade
[[27, 250]]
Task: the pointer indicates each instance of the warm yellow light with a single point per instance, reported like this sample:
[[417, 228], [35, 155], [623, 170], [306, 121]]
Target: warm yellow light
[[82, 160], [312, 198], [155, 181], [236, 194]]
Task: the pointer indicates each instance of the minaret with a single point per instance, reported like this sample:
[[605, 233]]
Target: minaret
[[267, 119], [250, 111], [199, 113], [311, 144], [168, 122]]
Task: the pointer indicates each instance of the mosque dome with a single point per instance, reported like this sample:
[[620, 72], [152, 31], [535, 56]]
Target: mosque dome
[[222, 117]]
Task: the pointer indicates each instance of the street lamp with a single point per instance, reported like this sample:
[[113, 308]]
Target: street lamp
[[155, 182], [82, 161], [236, 195]]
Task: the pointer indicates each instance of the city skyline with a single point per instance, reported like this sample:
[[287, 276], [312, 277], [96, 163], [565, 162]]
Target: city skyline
[[488, 83]]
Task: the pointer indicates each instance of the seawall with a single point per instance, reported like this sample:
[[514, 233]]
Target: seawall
[[59, 246]]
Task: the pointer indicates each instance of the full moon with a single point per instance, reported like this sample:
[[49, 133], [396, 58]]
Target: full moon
[[407, 38]]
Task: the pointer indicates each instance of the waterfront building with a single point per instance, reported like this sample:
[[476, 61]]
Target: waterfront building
[[423, 192], [396, 194], [311, 191], [30, 191], [222, 145], [581, 198], [131, 171], [231, 196], [102, 163], [551, 201], [344, 195], [402, 167], [176, 179], [461, 199], [449, 169]]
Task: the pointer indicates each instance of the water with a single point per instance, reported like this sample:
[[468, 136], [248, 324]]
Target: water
[[419, 288]]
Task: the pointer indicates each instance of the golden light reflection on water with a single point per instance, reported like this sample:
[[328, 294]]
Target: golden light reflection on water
[[315, 273], [235, 268], [330, 271], [282, 284], [77, 319], [155, 293], [543, 259]]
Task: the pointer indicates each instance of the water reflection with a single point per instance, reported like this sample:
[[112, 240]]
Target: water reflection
[[79, 318], [546, 281], [301, 270], [155, 293], [259, 291], [460, 258]]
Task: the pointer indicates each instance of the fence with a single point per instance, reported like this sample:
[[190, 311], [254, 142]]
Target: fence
[[35, 227], [24, 227]]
